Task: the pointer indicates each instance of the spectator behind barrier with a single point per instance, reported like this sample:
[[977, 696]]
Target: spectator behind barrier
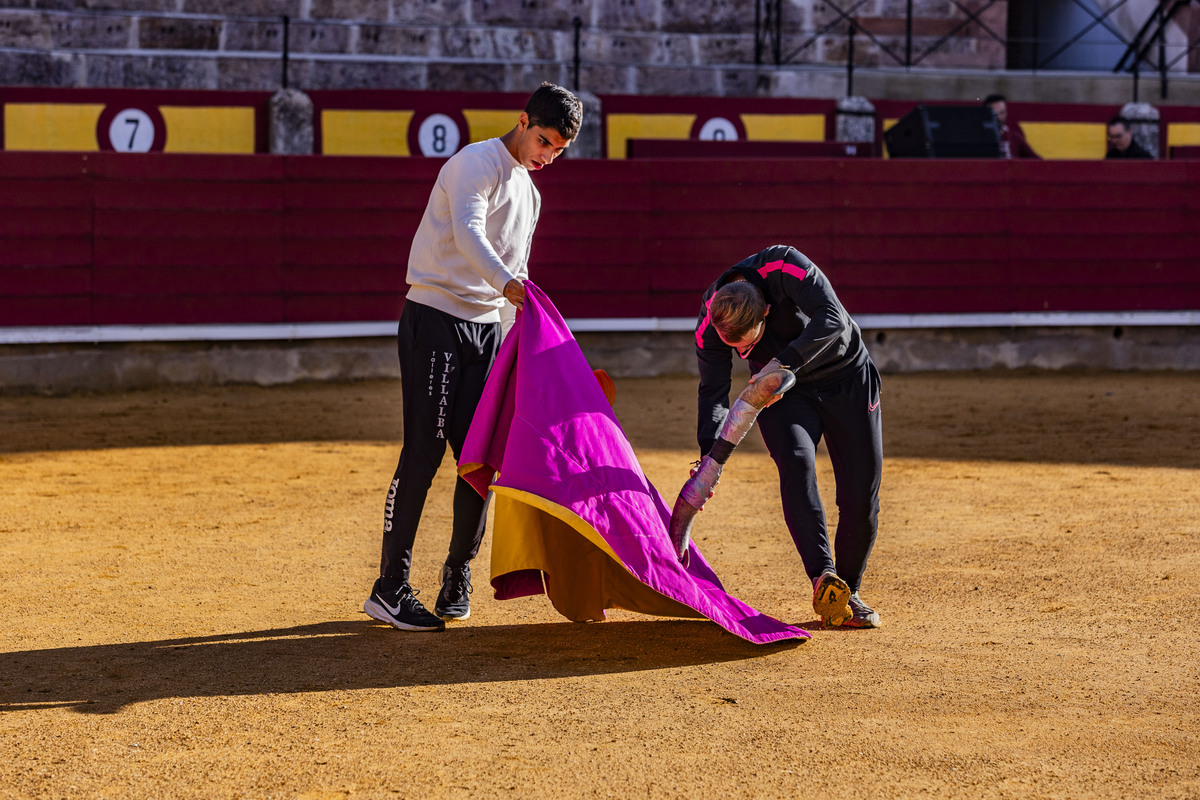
[[1120, 140], [1012, 138]]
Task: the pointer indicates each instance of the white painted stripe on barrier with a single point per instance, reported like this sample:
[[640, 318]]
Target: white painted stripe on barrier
[[1043, 319], [632, 324], [97, 334], [1059, 319]]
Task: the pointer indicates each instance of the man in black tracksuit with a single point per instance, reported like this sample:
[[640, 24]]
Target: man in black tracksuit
[[778, 310]]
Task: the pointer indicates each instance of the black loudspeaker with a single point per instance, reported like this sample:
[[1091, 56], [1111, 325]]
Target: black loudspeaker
[[945, 132]]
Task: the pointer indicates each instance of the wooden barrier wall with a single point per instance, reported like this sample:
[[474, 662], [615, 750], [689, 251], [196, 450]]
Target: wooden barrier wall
[[148, 239]]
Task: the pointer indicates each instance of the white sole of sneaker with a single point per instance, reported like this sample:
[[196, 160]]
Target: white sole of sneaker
[[831, 600], [445, 618], [376, 611]]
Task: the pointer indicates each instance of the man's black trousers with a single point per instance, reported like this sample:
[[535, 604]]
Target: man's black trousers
[[444, 362], [847, 415]]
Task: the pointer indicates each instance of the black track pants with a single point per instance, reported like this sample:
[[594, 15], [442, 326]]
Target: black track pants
[[848, 416], [444, 362]]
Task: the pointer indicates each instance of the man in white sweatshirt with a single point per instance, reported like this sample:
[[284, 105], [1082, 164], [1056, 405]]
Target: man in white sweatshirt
[[466, 273]]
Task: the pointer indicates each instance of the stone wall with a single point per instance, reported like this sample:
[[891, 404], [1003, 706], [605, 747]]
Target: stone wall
[[647, 47], [699, 47]]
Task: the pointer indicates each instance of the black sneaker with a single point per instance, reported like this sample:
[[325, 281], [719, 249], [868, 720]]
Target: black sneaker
[[454, 600], [400, 607], [864, 616]]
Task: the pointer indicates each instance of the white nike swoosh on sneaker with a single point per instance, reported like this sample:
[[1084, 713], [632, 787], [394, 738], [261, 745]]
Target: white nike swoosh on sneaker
[[390, 609], [376, 609]]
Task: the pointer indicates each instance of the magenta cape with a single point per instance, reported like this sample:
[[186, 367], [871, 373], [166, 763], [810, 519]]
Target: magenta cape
[[575, 516]]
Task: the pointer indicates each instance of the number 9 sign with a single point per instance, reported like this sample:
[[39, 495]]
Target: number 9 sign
[[131, 130], [717, 129]]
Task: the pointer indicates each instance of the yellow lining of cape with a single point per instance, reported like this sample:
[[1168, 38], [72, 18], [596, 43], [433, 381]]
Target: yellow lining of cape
[[563, 513], [582, 577]]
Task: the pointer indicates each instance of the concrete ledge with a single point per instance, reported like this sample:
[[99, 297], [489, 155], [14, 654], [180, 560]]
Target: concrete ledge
[[65, 368], [1117, 347], [55, 369]]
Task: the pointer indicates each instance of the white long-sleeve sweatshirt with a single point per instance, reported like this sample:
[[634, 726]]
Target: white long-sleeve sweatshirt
[[475, 234]]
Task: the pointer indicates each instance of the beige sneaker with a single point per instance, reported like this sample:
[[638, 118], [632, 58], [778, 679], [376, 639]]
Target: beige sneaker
[[831, 599], [864, 616]]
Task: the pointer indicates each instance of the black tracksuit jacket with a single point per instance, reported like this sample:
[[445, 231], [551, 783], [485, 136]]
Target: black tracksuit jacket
[[807, 330]]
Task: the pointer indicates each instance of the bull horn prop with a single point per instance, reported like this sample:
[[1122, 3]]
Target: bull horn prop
[[738, 422]]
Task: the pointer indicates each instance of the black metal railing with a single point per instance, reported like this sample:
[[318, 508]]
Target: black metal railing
[[1147, 49], [1153, 35]]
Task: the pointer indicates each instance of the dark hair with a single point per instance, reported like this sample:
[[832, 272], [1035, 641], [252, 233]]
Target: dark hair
[[1122, 121], [736, 309], [994, 98], [552, 106]]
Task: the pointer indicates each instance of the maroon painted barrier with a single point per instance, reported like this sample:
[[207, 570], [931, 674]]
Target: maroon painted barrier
[[150, 239], [740, 148]]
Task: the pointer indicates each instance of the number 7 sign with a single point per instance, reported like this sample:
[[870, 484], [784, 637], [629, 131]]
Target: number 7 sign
[[131, 130]]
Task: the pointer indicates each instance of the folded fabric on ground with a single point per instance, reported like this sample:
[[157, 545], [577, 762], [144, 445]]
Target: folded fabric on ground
[[575, 517]]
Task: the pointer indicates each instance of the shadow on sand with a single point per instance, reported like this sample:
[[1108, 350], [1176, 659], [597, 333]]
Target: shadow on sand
[[102, 679], [1114, 418]]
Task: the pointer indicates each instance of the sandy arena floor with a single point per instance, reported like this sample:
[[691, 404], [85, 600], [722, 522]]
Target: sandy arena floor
[[182, 575]]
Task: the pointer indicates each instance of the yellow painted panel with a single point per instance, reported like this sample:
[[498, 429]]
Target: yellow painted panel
[[1183, 134], [365, 133], [785, 127], [1072, 141], [490, 123], [208, 129], [887, 125], [623, 127], [51, 126]]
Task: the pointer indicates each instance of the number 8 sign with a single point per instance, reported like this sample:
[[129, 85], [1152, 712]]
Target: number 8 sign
[[131, 130], [438, 136]]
